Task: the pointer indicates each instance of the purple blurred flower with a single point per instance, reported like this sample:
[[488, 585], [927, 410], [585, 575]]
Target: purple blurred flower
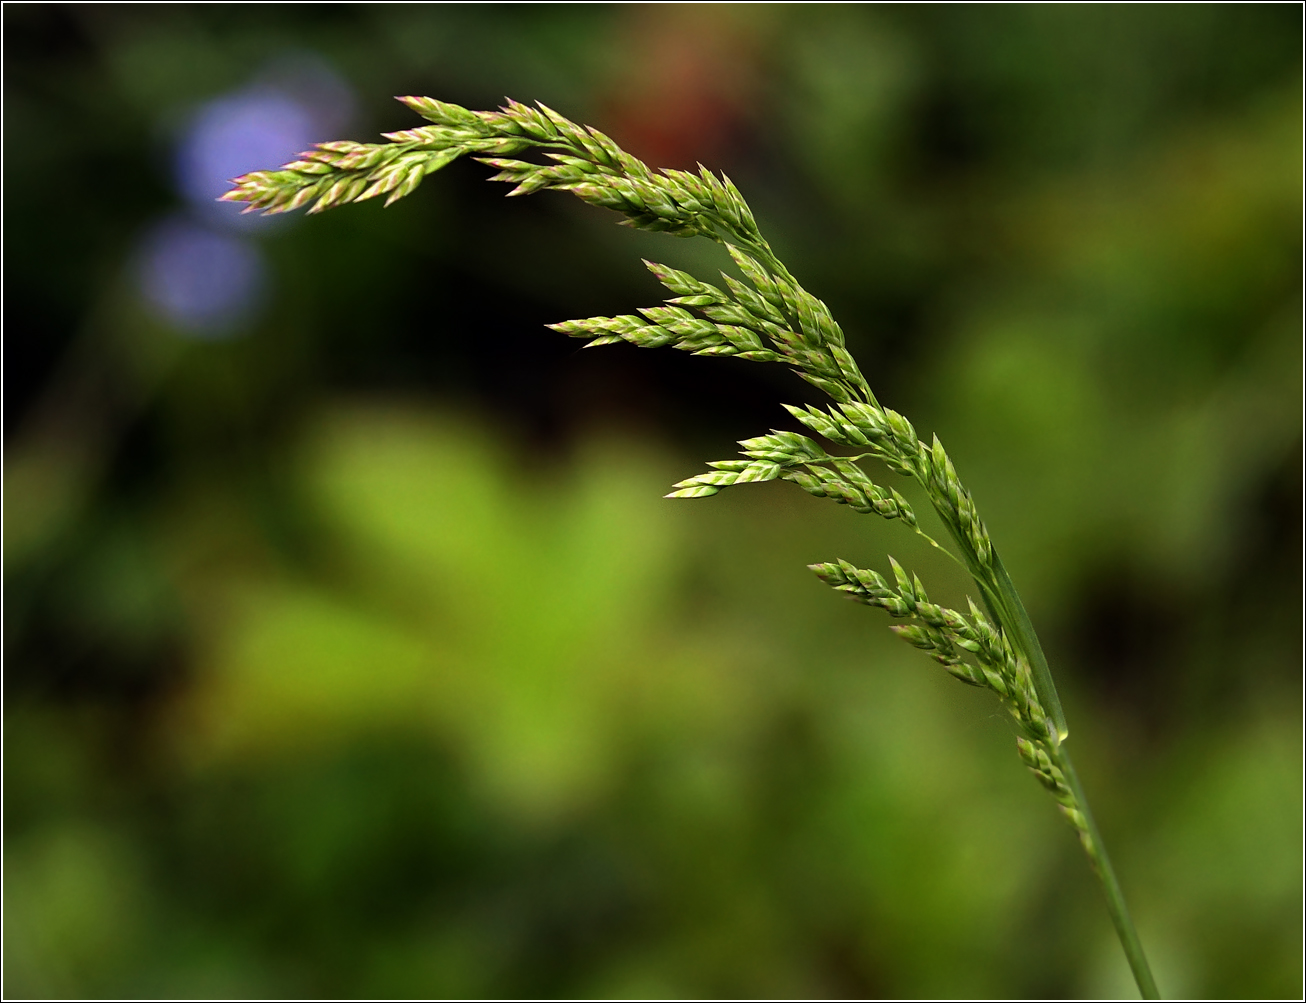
[[199, 275], [206, 284]]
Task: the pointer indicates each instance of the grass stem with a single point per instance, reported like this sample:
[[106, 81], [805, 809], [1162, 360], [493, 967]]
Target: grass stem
[[1091, 839]]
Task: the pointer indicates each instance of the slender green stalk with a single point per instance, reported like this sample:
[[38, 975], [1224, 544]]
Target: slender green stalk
[[768, 317], [1115, 897]]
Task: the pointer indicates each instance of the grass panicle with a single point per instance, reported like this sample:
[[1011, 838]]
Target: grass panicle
[[765, 316]]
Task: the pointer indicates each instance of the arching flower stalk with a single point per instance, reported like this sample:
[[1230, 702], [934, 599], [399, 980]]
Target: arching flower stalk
[[764, 317]]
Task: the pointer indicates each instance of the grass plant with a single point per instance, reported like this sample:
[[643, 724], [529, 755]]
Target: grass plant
[[764, 316]]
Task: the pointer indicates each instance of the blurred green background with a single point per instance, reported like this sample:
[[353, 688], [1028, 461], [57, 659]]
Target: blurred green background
[[351, 650]]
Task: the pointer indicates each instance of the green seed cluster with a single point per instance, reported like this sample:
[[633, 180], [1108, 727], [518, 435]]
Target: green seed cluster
[[585, 162], [739, 321], [675, 202], [791, 457], [333, 174], [891, 438], [766, 317], [1044, 762], [949, 636]]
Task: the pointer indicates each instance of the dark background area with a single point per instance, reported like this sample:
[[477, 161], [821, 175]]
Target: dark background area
[[351, 651]]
